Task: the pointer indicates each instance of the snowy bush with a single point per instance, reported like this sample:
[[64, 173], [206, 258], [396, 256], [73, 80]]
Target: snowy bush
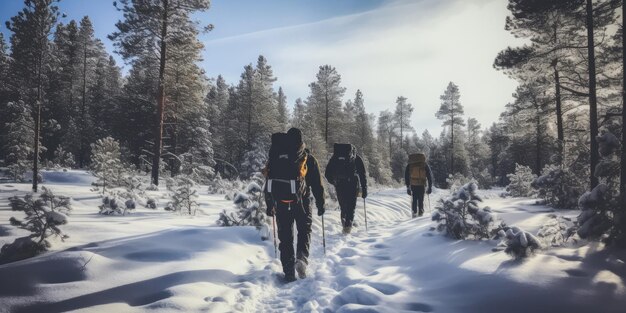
[[151, 203], [249, 206], [184, 195], [43, 218], [254, 160], [484, 179], [134, 188], [555, 232], [519, 243], [111, 205], [461, 217], [106, 163], [559, 187], [521, 182]]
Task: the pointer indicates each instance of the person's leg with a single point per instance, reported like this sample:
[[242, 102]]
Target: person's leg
[[420, 190], [304, 220], [414, 199], [284, 221], [343, 205], [350, 207]]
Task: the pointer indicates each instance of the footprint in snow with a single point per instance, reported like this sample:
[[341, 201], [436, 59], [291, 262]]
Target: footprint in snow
[[418, 307], [385, 288]]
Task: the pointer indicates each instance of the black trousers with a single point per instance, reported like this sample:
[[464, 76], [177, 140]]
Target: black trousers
[[286, 215], [418, 198], [346, 196]]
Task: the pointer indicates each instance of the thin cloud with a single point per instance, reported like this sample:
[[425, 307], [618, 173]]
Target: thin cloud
[[402, 48]]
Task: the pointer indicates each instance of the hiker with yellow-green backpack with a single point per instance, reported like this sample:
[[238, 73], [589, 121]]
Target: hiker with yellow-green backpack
[[416, 175]]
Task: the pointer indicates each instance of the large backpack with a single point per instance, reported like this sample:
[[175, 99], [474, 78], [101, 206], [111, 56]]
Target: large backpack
[[417, 169], [344, 156], [286, 168]]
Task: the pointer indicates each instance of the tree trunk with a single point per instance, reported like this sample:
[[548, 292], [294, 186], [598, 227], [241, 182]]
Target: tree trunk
[[158, 142], [559, 116], [622, 182], [452, 145], [81, 156], [327, 113], [37, 121], [593, 106], [537, 138]]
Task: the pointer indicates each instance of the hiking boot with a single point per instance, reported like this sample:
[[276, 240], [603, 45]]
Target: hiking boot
[[420, 214], [290, 278], [347, 230], [414, 215], [301, 269]]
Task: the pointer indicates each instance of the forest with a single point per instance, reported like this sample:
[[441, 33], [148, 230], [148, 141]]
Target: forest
[[61, 91]]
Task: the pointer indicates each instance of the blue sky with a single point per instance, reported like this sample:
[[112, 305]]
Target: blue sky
[[386, 48]]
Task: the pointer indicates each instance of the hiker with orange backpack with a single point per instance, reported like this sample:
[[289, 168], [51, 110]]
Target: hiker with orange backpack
[[346, 171], [291, 174], [416, 174]]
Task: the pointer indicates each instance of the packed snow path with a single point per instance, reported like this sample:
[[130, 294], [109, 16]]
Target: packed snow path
[[156, 261]]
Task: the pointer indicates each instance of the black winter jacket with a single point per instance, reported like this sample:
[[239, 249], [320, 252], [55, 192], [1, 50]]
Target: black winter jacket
[[358, 166]]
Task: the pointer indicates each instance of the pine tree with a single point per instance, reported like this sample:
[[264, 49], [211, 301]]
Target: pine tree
[[19, 139], [402, 117], [451, 112], [283, 114], [325, 102], [30, 50], [149, 23]]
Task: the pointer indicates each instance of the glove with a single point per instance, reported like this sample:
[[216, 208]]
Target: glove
[[270, 207], [430, 190], [364, 193], [408, 190], [320, 211]]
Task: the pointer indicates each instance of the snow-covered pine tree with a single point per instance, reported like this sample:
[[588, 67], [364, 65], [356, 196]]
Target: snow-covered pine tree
[[402, 117], [106, 164], [30, 51], [283, 113], [600, 205], [43, 218], [559, 187], [19, 139], [461, 216], [255, 160], [521, 182], [518, 242]]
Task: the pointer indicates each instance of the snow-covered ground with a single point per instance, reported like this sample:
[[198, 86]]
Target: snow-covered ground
[[158, 261]]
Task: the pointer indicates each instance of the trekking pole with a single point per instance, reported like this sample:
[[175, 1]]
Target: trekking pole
[[429, 209], [274, 224], [323, 235], [365, 210]]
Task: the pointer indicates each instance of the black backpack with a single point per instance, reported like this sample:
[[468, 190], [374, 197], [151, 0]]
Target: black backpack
[[344, 156], [286, 168]]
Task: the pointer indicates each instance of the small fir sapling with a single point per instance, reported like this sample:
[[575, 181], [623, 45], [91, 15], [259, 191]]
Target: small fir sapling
[[106, 163], [461, 216], [184, 196], [597, 219], [521, 182], [63, 159], [249, 207], [43, 218]]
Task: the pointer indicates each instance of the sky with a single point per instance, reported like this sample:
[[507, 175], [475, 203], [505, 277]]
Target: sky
[[385, 48]]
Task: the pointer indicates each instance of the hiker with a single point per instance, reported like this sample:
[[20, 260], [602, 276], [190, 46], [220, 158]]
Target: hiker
[[416, 174], [345, 171], [292, 172]]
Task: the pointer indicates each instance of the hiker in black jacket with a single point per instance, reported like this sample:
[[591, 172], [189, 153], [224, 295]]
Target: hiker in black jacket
[[298, 208], [416, 174], [345, 171]]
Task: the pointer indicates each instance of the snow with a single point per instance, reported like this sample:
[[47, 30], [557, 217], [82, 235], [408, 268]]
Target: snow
[[158, 261]]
